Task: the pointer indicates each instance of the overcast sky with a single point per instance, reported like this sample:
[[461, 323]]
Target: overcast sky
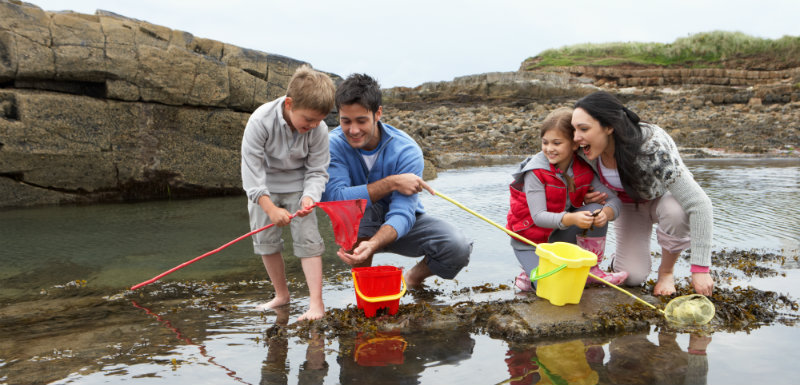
[[409, 42]]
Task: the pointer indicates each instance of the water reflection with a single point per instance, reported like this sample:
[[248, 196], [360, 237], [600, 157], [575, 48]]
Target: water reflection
[[636, 360], [633, 359], [275, 369]]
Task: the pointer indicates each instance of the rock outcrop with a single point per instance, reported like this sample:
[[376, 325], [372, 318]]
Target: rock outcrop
[[103, 107], [495, 86]]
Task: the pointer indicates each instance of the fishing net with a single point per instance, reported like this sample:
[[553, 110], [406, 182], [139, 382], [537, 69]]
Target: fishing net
[[345, 217], [690, 310]]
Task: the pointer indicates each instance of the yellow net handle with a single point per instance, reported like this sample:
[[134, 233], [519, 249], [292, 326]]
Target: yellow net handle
[[383, 298]]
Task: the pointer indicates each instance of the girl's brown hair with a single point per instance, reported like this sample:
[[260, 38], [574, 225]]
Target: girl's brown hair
[[559, 119]]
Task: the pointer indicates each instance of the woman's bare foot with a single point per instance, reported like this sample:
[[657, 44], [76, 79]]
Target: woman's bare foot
[[276, 302], [665, 284], [313, 313]]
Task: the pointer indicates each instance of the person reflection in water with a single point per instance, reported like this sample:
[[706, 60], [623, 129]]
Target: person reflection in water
[[636, 360], [275, 370]]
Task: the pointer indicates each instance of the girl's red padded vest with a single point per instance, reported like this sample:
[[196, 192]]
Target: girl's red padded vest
[[519, 215]]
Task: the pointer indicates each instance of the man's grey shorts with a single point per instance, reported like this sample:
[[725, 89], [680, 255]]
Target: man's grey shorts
[[306, 240]]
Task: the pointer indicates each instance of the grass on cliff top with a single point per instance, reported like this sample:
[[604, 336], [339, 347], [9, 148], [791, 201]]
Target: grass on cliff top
[[707, 49]]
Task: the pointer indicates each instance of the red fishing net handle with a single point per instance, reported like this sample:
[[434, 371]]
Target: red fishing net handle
[[218, 249], [345, 217]]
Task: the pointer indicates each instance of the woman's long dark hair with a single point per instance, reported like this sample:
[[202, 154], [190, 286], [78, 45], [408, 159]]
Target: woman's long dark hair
[[628, 137]]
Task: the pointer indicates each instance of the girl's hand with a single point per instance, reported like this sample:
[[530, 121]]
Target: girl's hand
[[601, 219], [582, 219]]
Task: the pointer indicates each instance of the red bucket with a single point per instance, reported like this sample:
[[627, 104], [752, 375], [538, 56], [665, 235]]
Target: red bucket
[[378, 287]]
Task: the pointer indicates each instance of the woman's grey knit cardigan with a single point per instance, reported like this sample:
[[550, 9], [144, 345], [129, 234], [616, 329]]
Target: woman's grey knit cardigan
[[662, 170]]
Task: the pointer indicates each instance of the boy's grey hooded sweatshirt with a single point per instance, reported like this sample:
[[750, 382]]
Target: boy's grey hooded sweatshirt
[[273, 160]]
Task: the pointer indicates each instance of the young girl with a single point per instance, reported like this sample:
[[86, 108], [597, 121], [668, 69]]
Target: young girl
[[547, 200]]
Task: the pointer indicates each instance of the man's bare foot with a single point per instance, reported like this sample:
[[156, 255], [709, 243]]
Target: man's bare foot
[[665, 284], [276, 302], [313, 313], [417, 274]]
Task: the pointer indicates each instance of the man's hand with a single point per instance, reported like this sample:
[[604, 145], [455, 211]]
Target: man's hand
[[408, 184], [595, 197], [361, 253], [703, 283], [306, 206]]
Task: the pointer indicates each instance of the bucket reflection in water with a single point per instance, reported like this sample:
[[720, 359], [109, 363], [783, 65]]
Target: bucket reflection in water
[[565, 363], [382, 349]]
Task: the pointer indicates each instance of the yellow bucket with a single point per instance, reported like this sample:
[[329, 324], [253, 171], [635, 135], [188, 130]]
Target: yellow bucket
[[562, 272]]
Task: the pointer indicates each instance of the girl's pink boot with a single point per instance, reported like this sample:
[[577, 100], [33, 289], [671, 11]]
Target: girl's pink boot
[[597, 245]]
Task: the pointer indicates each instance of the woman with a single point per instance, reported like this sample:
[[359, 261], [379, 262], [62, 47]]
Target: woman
[[641, 162]]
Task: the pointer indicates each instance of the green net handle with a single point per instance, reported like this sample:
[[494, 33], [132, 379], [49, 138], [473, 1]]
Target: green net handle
[[535, 273]]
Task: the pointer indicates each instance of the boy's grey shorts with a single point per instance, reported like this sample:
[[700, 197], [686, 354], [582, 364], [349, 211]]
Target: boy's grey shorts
[[306, 240]]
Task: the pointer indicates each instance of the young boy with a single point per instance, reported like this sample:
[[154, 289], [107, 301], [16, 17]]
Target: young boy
[[284, 170]]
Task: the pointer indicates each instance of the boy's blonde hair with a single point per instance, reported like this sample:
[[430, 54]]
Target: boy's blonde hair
[[311, 90], [559, 119]]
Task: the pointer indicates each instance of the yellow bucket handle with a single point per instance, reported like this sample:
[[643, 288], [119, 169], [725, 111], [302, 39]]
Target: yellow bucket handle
[[381, 298], [535, 273]]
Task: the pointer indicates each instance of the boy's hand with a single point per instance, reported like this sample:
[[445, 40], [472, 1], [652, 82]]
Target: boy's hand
[[279, 216], [306, 206], [595, 197], [408, 184]]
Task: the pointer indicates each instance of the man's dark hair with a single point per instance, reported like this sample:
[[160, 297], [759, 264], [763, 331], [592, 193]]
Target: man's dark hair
[[359, 89]]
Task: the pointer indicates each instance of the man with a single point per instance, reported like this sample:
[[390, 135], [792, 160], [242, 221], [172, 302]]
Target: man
[[377, 162]]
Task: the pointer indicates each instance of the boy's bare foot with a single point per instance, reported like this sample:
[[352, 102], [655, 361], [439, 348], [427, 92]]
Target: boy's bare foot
[[665, 284], [313, 313], [276, 302]]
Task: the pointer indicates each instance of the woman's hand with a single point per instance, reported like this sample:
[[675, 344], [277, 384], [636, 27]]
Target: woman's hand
[[595, 197], [703, 283]]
